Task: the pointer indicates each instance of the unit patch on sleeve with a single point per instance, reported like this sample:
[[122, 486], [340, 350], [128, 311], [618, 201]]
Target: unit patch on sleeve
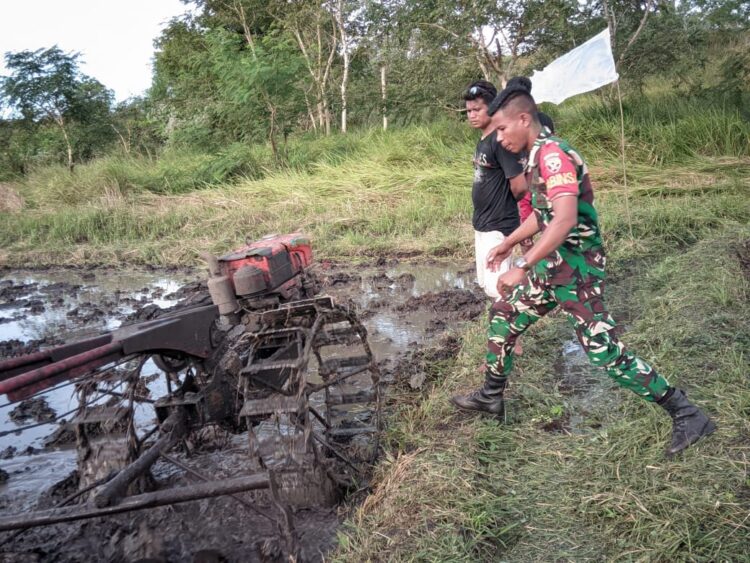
[[552, 162], [560, 179]]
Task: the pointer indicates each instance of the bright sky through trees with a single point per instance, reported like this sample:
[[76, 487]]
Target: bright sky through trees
[[115, 39]]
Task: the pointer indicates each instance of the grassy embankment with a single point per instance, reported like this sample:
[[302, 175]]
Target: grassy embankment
[[453, 487], [368, 192]]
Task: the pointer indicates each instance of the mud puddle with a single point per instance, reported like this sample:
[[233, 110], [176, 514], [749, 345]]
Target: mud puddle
[[405, 308], [39, 309], [586, 389], [588, 392]]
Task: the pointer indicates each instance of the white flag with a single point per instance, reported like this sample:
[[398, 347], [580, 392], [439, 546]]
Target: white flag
[[585, 68]]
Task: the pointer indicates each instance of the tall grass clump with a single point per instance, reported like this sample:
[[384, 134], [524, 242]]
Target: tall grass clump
[[442, 140], [174, 172], [658, 129], [659, 224]]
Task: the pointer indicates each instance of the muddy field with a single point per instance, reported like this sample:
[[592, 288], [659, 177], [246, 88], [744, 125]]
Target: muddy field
[[410, 311]]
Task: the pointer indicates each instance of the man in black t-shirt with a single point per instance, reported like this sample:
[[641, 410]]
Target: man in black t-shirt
[[498, 183]]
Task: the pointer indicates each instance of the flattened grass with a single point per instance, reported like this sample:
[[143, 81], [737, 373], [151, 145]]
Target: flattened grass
[[395, 201]]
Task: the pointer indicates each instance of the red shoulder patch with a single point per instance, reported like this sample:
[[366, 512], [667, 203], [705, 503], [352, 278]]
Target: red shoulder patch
[[557, 171]]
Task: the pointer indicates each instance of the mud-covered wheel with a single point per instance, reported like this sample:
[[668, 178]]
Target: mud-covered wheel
[[321, 416], [170, 364], [350, 384]]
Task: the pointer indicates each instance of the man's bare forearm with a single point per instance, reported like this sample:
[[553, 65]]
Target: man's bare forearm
[[553, 237], [528, 229], [518, 186]]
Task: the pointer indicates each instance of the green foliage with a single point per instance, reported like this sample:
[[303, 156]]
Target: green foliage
[[138, 127], [660, 127], [258, 83], [48, 94], [223, 88], [735, 77], [42, 83]]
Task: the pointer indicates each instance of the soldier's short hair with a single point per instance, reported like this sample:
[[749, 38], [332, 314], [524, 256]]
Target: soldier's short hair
[[516, 102], [520, 102], [516, 95]]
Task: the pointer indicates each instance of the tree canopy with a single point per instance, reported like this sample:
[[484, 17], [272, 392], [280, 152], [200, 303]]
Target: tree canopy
[[46, 87]]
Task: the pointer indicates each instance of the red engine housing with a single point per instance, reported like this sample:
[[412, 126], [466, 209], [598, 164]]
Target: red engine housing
[[267, 265]]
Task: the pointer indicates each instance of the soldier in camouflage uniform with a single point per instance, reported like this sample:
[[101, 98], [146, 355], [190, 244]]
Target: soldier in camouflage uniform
[[565, 268]]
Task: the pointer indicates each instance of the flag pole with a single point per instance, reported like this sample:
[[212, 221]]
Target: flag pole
[[624, 167]]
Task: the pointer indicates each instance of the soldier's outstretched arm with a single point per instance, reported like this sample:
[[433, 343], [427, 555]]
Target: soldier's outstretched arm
[[498, 253], [565, 217]]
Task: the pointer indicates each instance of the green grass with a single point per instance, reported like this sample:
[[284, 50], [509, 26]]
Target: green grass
[[660, 129], [398, 197], [460, 488], [351, 209]]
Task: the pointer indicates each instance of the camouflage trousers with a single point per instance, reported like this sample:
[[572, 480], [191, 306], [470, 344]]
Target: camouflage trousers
[[585, 309]]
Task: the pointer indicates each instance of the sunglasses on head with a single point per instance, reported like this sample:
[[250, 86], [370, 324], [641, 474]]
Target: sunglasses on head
[[474, 90]]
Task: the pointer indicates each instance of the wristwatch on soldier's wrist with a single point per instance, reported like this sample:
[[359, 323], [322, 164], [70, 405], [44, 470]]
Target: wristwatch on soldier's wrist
[[521, 263]]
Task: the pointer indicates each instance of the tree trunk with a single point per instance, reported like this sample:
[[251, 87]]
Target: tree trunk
[[343, 108], [641, 25], [341, 22], [344, 81], [272, 131], [319, 70], [61, 123], [326, 115], [264, 92], [383, 94], [611, 23], [310, 113]]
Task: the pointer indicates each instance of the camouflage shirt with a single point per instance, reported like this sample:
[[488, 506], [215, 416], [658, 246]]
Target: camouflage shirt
[[555, 170]]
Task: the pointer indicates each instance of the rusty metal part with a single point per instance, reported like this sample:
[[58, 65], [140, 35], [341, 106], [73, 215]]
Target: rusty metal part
[[187, 469], [20, 386], [278, 358], [21, 364], [187, 331]]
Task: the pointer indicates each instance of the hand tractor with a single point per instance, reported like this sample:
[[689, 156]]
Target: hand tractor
[[264, 356]]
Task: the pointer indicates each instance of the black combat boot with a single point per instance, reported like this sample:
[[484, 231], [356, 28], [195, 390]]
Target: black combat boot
[[488, 399], [689, 423]]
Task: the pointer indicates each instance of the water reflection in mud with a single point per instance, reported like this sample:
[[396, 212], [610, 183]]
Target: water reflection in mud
[[72, 305], [383, 293]]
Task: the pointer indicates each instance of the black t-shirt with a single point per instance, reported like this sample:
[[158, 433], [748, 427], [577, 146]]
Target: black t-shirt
[[495, 208]]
